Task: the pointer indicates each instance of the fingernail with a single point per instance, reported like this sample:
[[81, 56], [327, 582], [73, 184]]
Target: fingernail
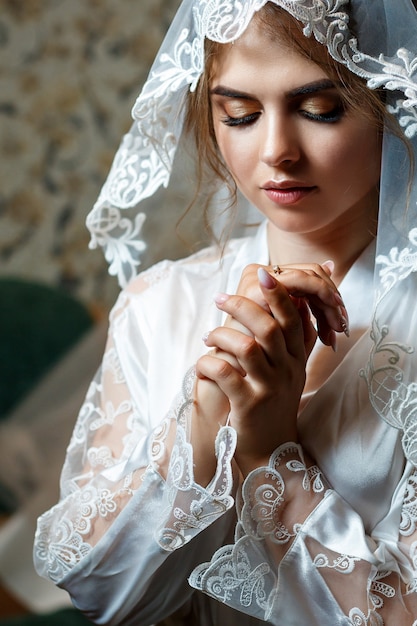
[[345, 326], [205, 336], [333, 341], [265, 279], [338, 299], [221, 298], [329, 264]]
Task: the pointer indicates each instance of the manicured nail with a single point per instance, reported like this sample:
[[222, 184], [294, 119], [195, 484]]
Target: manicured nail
[[266, 279], [221, 298], [329, 264], [205, 336], [345, 326]]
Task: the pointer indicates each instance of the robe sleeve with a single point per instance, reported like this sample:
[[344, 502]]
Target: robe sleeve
[[133, 533], [119, 539], [301, 550]]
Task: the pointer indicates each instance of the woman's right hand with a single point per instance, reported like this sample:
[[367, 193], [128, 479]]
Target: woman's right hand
[[257, 368]]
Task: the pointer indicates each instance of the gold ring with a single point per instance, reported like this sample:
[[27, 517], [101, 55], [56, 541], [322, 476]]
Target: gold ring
[[276, 269]]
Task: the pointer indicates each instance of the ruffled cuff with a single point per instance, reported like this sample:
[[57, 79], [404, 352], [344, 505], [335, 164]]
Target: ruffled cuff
[[189, 507], [276, 500]]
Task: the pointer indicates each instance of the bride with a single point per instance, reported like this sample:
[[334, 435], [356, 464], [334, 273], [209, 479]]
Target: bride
[[247, 451]]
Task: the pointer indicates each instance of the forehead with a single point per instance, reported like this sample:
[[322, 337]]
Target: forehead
[[258, 56]]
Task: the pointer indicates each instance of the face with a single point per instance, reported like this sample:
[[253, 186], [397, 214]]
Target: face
[[294, 150]]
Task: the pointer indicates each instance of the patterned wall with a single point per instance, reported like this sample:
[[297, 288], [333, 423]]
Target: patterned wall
[[69, 73]]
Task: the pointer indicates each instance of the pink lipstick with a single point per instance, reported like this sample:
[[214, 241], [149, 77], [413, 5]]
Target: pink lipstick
[[287, 192]]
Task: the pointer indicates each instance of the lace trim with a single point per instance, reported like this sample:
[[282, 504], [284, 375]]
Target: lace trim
[[408, 525], [181, 507], [343, 564], [397, 265], [111, 364], [68, 545], [230, 576], [264, 494], [358, 618], [378, 593], [144, 160], [190, 508], [393, 399]]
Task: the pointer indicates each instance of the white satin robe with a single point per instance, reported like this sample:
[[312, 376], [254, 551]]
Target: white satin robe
[[320, 543]]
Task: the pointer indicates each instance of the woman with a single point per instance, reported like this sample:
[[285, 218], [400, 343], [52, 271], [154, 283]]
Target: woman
[[279, 486]]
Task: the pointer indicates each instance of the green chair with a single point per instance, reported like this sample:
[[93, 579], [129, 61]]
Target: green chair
[[64, 617], [38, 324]]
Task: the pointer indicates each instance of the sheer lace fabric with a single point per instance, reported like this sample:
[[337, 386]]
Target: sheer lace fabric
[[325, 534], [112, 455], [385, 57]]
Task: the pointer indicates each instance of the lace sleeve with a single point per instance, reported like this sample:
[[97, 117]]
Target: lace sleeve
[[298, 544], [128, 496]]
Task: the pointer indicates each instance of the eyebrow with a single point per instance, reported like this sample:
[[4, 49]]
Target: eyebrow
[[311, 88]]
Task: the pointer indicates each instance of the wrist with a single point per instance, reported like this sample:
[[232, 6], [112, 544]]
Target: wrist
[[209, 414]]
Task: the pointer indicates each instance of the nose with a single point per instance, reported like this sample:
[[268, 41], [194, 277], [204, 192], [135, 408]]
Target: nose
[[279, 142]]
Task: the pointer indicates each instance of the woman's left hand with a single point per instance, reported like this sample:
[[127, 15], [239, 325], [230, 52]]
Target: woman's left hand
[[313, 293], [260, 355]]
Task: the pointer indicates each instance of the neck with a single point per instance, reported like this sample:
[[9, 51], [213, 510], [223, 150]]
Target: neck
[[342, 243]]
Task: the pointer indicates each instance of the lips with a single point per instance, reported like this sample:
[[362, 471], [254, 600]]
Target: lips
[[287, 192]]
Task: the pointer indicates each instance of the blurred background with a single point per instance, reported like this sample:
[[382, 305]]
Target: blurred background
[[70, 71]]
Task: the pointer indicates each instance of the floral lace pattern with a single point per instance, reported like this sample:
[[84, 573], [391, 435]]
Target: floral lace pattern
[[245, 574], [190, 508], [343, 563], [392, 396], [261, 516], [107, 482], [397, 265], [232, 578], [235, 575], [145, 158], [129, 486], [408, 524], [381, 591]]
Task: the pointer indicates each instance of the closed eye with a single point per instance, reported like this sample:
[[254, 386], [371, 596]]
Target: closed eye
[[327, 106], [329, 117], [246, 120]]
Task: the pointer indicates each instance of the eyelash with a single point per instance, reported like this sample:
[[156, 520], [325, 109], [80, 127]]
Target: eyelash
[[247, 120], [330, 117]]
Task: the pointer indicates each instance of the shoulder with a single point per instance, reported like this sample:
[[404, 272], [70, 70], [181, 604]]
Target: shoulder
[[204, 262], [203, 265], [192, 279]]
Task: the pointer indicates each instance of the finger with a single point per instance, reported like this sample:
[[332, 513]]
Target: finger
[[310, 333], [328, 267], [279, 334], [323, 298], [241, 350], [225, 348], [323, 270], [284, 309], [221, 372]]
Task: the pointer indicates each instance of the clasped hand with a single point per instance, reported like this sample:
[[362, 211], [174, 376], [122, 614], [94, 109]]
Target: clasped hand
[[255, 372]]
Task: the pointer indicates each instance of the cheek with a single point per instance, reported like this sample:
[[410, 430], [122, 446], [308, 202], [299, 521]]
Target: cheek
[[236, 153], [355, 155], [365, 158]]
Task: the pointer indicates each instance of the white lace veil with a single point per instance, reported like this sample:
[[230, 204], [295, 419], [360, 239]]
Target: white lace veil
[[375, 39]]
